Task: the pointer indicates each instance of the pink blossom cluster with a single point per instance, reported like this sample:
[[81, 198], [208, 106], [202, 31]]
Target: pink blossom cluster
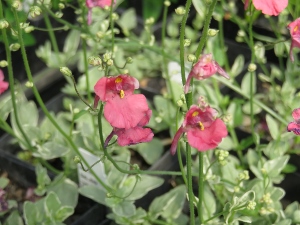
[[3, 84], [126, 112]]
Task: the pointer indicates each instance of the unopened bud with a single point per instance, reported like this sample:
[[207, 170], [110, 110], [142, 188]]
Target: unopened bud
[[212, 32], [179, 103], [106, 56], [110, 62], [167, 3], [16, 4], [4, 24], [76, 159], [94, 60], [186, 42], [180, 10], [149, 21], [35, 11], [65, 71], [3, 63], [29, 84], [109, 195], [59, 14], [252, 67], [115, 16], [14, 47], [129, 60], [251, 205], [241, 33], [29, 29], [158, 119], [135, 166], [61, 5], [191, 58], [100, 34]]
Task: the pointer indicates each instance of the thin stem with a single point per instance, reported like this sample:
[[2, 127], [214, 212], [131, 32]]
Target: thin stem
[[42, 105], [111, 21], [200, 188], [190, 182]]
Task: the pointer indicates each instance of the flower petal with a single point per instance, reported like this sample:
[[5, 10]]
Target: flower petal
[[270, 7], [294, 127], [176, 139], [134, 135]]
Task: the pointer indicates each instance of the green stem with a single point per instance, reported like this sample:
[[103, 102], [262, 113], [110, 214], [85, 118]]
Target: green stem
[[42, 105], [200, 188], [111, 21], [190, 182], [222, 44], [205, 28]]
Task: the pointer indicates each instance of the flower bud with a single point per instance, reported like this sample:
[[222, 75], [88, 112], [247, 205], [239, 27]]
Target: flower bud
[[100, 34], [3, 63], [106, 56], [35, 11], [76, 159], [149, 21], [16, 4], [59, 14], [29, 84], [109, 195], [65, 71], [4, 24], [29, 29], [191, 58], [61, 5], [158, 119], [179, 103], [251, 205], [252, 67], [110, 62], [180, 10], [212, 32], [94, 60], [14, 47], [115, 16], [129, 60], [241, 33], [135, 167], [167, 3], [186, 42]]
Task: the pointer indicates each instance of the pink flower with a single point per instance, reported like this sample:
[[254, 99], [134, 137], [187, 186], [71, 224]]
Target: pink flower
[[96, 3], [204, 68], [269, 7], [295, 126], [295, 34], [133, 135], [204, 130], [3, 84], [123, 109]]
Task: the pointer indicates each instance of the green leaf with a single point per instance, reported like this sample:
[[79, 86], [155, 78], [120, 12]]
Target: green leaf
[[152, 8], [63, 213], [209, 205], [170, 204], [3, 182], [145, 184], [247, 108], [51, 150], [273, 127], [14, 219], [124, 208], [42, 179], [72, 42], [284, 222], [31, 214], [237, 66], [128, 20], [51, 204], [151, 151], [245, 86], [275, 166], [277, 194], [95, 193], [165, 109], [79, 114]]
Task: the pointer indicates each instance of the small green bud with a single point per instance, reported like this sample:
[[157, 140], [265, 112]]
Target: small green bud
[[236, 189], [94, 60], [106, 56], [252, 67], [29, 84], [16, 4], [59, 14], [100, 34], [125, 71], [109, 195], [129, 60], [35, 11], [4, 24], [29, 29], [24, 25], [182, 96], [179, 103], [251, 205], [263, 171], [3, 63], [191, 58], [77, 159], [241, 33], [167, 3], [65, 71], [266, 198], [110, 62], [158, 119], [180, 10], [135, 167], [14, 32], [149, 21], [187, 42], [61, 5], [14, 47], [115, 16], [212, 32]]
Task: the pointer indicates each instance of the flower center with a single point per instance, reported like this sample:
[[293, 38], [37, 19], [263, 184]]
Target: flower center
[[122, 94], [118, 80], [295, 28], [195, 114], [201, 126]]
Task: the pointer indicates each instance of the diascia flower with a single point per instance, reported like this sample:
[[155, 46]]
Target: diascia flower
[[133, 135], [204, 68], [295, 125], [268, 7], [3, 84], [122, 109], [294, 28], [204, 130], [96, 3]]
